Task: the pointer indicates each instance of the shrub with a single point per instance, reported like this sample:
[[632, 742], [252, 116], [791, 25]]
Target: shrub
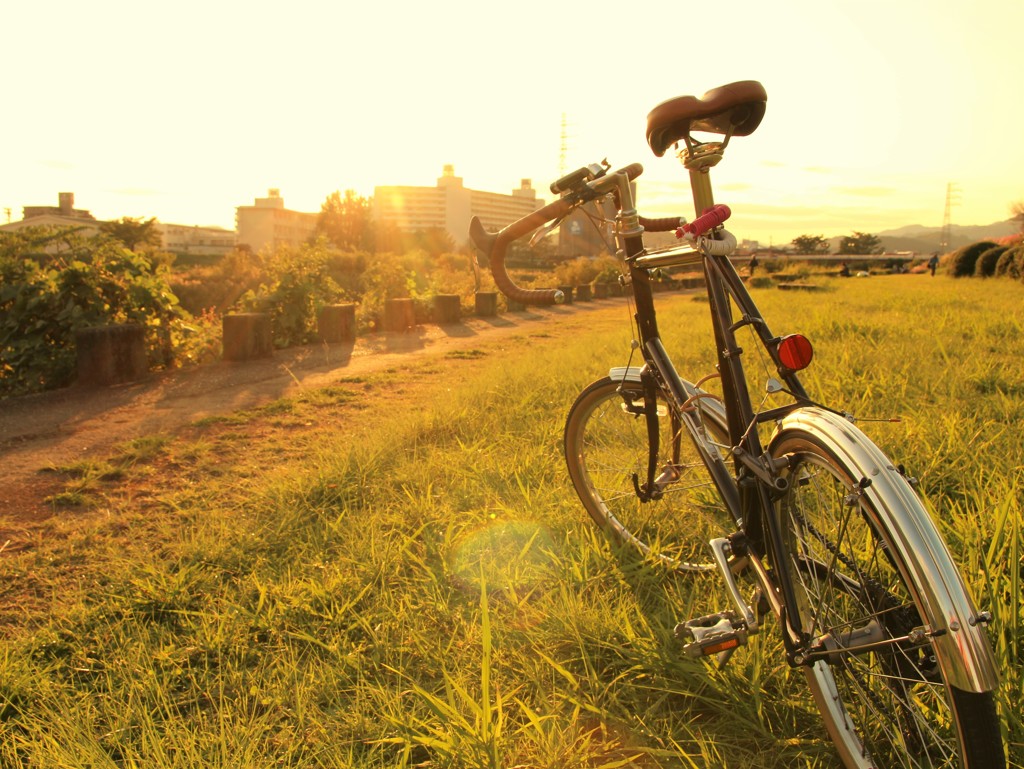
[[963, 261], [985, 267], [388, 278], [296, 286], [584, 270], [53, 283], [1011, 263], [219, 286]]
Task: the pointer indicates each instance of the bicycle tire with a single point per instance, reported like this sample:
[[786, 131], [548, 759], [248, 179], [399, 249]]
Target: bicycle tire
[[890, 706], [606, 450]]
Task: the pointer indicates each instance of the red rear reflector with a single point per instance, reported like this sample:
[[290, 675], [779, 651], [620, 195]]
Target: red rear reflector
[[795, 352]]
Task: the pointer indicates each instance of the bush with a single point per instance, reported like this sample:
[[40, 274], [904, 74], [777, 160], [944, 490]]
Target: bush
[[297, 285], [584, 270], [1011, 263], [985, 267], [963, 261], [219, 286], [55, 282]]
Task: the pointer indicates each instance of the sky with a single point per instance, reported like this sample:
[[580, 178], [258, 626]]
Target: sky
[[183, 111]]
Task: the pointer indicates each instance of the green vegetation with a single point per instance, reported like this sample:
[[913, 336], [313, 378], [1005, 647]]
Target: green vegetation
[[53, 284], [1011, 262], [985, 267], [810, 244], [860, 243], [395, 572], [964, 261]]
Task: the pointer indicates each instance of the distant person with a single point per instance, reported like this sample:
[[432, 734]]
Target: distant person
[[844, 271], [753, 264], [933, 263]]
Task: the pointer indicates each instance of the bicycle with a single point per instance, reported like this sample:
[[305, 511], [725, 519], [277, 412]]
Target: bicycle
[[829, 532]]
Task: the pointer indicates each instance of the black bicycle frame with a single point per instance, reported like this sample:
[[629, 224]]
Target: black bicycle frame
[[751, 489]]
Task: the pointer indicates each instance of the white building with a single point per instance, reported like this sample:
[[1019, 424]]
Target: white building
[[268, 223], [450, 206]]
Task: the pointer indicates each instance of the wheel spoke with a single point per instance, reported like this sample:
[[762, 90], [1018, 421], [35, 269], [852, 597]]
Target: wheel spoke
[[606, 443], [874, 673]]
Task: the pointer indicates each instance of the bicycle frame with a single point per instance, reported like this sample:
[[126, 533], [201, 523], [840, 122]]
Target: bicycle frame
[[753, 485], [821, 520], [750, 488]]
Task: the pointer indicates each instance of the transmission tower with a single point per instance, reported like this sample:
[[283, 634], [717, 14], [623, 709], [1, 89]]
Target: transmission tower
[[952, 198], [563, 147]]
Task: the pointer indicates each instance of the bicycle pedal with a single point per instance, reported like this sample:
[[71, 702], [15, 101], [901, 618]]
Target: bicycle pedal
[[715, 634]]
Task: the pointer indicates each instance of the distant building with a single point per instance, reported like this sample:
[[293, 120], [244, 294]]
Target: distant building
[[588, 231], [269, 223], [65, 208], [450, 206], [64, 214], [191, 239]]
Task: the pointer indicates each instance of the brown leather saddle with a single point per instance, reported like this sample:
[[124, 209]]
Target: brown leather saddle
[[733, 110]]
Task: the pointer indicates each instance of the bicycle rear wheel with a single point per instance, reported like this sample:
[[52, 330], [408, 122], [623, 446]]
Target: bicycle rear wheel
[[606, 449], [879, 687]]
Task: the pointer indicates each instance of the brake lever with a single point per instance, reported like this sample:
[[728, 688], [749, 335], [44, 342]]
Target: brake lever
[[544, 231]]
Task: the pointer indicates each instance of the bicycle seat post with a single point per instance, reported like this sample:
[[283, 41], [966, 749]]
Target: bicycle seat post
[[699, 159]]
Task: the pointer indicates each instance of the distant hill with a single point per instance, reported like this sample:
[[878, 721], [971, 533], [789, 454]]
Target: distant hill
[[916, 237]]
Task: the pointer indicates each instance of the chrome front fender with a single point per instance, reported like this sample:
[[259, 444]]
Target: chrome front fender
[[960, 642]]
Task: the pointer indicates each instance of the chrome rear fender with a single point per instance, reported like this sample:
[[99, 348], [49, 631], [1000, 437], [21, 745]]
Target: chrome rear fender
[[960, 642]]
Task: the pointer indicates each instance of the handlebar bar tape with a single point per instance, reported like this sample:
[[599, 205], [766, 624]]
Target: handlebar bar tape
[[633, 170], [668, 224], [494, 244], [711, 218]]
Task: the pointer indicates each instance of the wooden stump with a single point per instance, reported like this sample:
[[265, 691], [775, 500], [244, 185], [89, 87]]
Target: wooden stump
[[336, 323], [567, 293], [447, 309], [486, 304], [247, 336], [110, 355], [600, 290], [583, 293], [692, 281], [399, 315]]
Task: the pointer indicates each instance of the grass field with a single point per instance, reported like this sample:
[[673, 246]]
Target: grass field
[[395, 571]]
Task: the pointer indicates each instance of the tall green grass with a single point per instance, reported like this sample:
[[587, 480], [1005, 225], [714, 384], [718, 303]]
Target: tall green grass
[[425, 590]]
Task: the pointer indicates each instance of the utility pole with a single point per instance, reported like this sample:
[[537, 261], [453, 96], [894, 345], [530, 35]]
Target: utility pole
[[952, 199]]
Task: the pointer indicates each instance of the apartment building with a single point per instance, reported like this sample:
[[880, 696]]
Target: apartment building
[[267, 223], [450, 206], [192, 239]]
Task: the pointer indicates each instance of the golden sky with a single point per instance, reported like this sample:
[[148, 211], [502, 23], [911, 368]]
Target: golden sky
[[185, 110]]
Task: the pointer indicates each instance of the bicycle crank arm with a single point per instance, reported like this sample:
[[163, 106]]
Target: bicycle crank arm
[[721, 634]]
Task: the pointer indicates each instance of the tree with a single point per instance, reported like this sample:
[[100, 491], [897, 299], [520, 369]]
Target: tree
[[134, 234], [810, 244], [1018, 214], [860, 243], [347, 222]]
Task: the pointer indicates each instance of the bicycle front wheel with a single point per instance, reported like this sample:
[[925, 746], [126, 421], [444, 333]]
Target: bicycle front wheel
[[875, 676], [606, 449]]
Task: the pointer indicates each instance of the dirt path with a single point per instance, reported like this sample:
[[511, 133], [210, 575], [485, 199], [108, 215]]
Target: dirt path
[[59, 428]]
